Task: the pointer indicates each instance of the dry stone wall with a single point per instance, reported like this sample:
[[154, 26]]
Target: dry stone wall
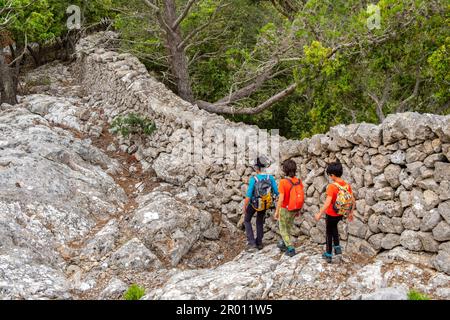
[[399, 170]]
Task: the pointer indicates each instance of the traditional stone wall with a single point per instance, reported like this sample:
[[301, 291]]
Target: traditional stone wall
[[399, 170]]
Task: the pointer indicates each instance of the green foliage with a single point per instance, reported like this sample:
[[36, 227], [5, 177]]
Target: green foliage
[[132, 124], [415, 295], [134, 292], [333, 87]]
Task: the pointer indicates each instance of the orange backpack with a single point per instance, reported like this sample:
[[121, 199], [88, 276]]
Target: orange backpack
[[296, 196]]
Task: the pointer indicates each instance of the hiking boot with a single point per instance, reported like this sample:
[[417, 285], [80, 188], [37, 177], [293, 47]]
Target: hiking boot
[[251, 247], [327, 256], [260, 246], [281, 245], [290, 251], [337, 250]]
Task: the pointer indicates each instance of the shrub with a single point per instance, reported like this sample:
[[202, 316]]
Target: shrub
[[41, 81], [134, 292], [132, 124], [415, 295]]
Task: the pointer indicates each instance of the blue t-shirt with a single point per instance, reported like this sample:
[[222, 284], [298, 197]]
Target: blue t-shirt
[[261, 176]]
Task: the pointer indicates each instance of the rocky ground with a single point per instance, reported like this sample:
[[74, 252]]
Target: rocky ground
[[80, 218]]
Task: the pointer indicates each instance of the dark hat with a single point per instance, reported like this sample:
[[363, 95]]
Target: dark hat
[[262, 162]]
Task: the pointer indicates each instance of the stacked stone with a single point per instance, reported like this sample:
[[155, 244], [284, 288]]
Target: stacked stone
[[399, 170]]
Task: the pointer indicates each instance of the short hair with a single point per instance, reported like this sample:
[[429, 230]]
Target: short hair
[[289, 168], [335, 168]]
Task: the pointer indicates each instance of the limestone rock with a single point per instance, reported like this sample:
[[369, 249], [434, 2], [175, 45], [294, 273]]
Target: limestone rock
[[430, 220], [398, 157], [133, 255], [356, 245], [390, 225], [444, 190], [379, 162], [432, 159], [428, 242], [169, 226], [390, 241], [442, 231], [442, 171], [410, 220], [386, 193], [103, 242], [442, 262], [114, 290], [357, 228], [408, 125], [386, 294], [444, 210], [411, 240], [392, 173], [389, 208], [368, 134], [376, 240]]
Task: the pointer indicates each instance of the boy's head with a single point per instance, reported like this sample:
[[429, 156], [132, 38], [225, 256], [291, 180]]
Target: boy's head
[[289, 168], [261, 162], [335, 169]]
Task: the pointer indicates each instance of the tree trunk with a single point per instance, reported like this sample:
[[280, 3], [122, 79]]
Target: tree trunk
[[8, 84], [36, 56], [178, 60]]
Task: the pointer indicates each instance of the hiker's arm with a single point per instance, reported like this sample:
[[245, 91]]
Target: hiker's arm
[[279, 203], [251, 184], [246, 201], [327, 203], [274, 186]]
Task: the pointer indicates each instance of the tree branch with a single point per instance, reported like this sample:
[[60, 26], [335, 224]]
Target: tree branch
[[163, 23], [217, 108], [183, 14], [197, 30], [152, 5], [401, 105], [379, 104]]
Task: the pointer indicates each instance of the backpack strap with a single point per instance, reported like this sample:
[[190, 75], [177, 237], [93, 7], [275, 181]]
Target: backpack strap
[[293, 183], [345, 187]]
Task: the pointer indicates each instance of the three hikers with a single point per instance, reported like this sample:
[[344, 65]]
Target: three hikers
[[339, 204]]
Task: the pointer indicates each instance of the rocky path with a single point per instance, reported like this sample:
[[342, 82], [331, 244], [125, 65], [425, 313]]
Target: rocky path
[[81, 218]]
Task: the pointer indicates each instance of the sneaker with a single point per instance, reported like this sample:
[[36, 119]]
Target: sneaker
[[260, 246], [327, 256], [337, 250], [281, 245], [290, 251]]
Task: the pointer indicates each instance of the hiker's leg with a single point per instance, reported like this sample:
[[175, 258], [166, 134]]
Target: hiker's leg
[[329, 235], [260, 226], [290, 222], [248, 225], [284, 228], [336, 231]]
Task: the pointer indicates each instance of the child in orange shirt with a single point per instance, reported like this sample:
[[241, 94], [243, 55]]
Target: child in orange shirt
[[282, 214], [334, 214]]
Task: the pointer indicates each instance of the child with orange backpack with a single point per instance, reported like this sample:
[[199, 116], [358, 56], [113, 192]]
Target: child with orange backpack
[[290, 202], [339, 204]]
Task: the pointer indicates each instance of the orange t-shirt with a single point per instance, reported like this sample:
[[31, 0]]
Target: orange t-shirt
[[332, 191], [284, 187]]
